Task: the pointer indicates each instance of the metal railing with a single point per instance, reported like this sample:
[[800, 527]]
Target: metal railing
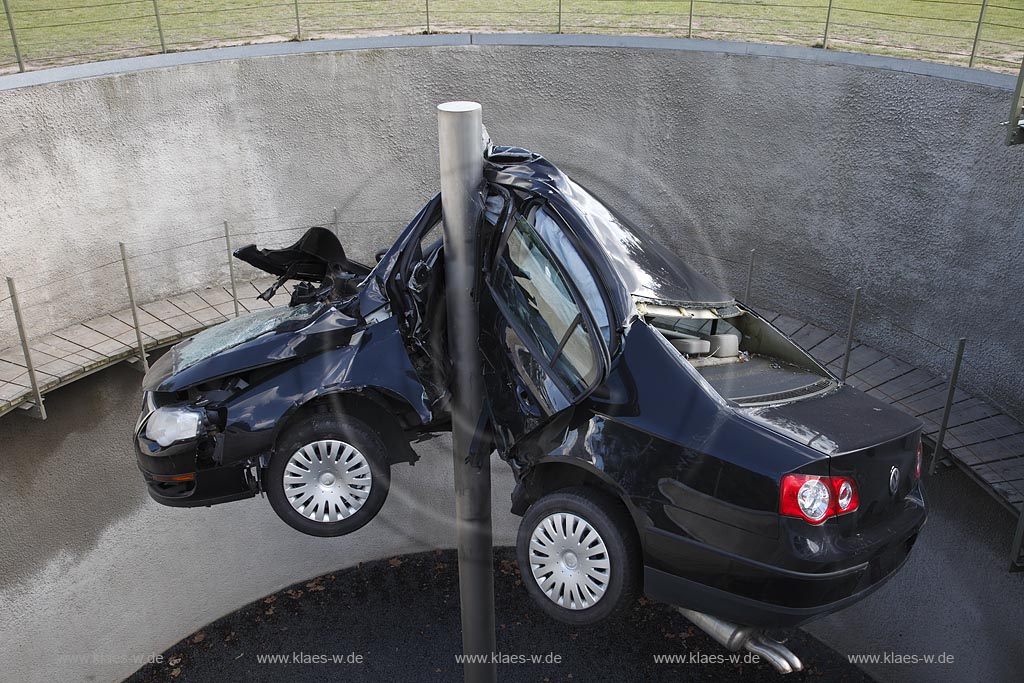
[[978, 33]]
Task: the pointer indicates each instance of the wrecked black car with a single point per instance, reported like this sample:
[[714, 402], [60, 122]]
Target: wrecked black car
[[664, 437]]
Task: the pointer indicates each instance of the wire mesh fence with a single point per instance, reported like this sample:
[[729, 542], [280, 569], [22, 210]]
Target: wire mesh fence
[[978, 33]]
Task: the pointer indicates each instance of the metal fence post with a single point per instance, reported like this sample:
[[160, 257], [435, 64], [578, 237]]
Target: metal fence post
[[559, 16], [428, 16], [977, 34], [1016, 561], [849, 333], [231, 267], [950, 393], [298, 23], [750, 277], [159, 26], [828, 23], [689, 26], [14, 35], [23, 334], [135, 309]]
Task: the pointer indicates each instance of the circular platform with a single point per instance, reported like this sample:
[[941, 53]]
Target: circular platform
[[398, 620]]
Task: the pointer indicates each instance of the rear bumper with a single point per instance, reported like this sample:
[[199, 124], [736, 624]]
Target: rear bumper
[[754, 593]]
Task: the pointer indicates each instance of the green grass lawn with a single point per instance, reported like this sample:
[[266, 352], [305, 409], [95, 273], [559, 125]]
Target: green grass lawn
[[53, 32]]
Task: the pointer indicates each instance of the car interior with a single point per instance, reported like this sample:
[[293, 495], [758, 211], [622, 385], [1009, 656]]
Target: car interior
[[742, 357]]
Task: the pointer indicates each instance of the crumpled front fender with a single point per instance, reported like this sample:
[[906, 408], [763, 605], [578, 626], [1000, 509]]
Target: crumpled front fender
[[223, 350], [376, 360]]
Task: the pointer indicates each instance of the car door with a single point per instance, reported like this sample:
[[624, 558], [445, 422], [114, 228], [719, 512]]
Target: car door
[[545, 327]]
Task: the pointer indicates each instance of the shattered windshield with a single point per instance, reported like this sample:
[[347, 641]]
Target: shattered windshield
[[236, 331]]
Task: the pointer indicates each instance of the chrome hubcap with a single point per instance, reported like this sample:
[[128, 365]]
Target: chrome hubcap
[[327, 481], [569, 561]]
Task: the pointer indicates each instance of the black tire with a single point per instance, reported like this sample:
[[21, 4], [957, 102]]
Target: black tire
[[315, 430], [611, 521]]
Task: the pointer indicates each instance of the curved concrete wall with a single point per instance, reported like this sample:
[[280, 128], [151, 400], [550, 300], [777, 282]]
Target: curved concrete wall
[[94, 574], [842, 170]]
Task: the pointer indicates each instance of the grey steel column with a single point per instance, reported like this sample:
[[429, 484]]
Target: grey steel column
[[231, 267], [23, 334], [950, 393], [428, 16], [135, 310], [849, 333], [1015, 124], [460, 139], [14, 35], [689, 27]]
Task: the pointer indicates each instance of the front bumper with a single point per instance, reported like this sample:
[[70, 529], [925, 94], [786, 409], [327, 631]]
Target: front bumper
[[177, 476], [754, 593]]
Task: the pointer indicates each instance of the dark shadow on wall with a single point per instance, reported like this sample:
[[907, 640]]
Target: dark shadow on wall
[[65, 480]]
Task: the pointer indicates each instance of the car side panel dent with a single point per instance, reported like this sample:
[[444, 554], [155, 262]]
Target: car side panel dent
[[376, 360]]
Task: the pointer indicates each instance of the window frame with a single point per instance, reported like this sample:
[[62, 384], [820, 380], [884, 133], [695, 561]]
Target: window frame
[[583, 318]]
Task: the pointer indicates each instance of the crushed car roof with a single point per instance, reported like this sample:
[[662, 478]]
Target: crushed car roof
[[646, 268]]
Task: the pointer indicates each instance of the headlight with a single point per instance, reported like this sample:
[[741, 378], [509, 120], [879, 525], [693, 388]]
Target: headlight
[[167, 425]]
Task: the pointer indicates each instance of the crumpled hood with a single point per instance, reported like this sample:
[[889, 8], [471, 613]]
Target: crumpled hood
[[253, 340]]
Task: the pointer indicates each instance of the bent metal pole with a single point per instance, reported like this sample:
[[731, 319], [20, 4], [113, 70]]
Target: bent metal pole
[[460, 139]]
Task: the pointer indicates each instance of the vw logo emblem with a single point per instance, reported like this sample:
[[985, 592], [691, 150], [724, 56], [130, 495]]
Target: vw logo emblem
[[894, 480]]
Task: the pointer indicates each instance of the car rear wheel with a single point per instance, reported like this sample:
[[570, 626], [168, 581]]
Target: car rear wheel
[[579, 555], [329, 475]]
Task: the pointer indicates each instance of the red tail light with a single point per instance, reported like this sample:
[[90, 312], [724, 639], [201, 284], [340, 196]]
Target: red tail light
[[814, 499], [917, 462]]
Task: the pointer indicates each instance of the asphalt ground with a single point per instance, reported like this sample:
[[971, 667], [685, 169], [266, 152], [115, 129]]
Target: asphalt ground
[[398, 620]]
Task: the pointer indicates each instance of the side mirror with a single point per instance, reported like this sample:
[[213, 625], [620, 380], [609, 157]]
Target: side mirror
[[379, 256]]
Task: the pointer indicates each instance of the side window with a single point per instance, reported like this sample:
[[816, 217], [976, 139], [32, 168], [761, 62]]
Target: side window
[[540, 302], [558, 242]]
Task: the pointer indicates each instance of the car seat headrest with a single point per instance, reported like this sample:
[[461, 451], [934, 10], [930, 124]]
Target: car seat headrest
[[691, 346], [724, 345]]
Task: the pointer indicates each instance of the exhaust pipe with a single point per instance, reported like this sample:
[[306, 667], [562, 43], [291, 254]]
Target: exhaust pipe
[[734, 638]]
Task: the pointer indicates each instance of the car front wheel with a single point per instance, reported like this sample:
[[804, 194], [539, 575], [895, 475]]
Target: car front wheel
[[579, 555], [329, 475]]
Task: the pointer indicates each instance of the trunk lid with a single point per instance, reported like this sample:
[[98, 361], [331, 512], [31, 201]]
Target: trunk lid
[[864, 439], [884, 475]]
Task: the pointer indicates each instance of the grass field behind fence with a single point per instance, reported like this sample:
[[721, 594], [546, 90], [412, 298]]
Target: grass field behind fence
[[54, 32]]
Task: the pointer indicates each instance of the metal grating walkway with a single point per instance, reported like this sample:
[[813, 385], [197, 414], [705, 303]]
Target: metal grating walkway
[[81, 349], [984, 442]]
